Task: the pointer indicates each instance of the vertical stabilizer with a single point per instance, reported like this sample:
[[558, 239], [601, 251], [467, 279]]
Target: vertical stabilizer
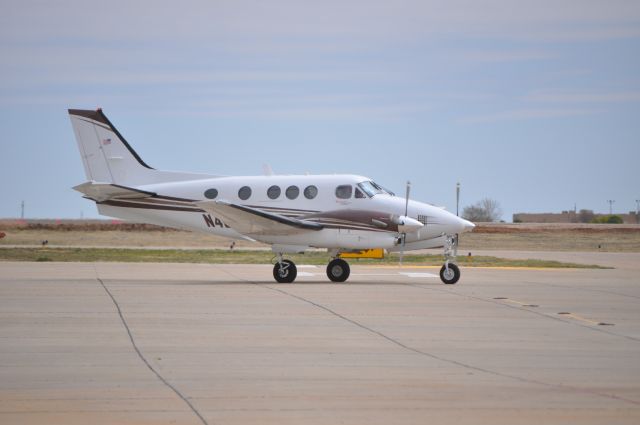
[[108, 158]]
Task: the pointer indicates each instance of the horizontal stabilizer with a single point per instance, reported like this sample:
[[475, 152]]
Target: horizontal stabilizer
[[105, 191], [254, 221]]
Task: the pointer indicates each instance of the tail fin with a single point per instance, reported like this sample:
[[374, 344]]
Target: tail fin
[[108, 158]]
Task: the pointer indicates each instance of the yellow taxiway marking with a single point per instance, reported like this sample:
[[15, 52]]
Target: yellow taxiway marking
[[520, 303], [562, 313], [582, 319]]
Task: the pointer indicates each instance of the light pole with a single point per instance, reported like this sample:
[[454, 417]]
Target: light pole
[[637, 210], [611, 201], [458, 198]]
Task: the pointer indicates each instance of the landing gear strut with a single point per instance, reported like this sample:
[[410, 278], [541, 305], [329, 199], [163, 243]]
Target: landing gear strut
[[450, 273], [284, 271]]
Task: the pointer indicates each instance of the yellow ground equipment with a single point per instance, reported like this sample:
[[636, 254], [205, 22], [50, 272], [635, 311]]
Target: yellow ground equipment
[[377, 253]]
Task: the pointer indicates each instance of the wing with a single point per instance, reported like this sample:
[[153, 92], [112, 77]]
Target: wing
[[104, 191], [253, 221]]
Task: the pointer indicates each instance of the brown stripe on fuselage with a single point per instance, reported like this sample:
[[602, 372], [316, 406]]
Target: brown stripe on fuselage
[[337, 219], [350, 225], [142, 204], [154, 200], [147, 206], [359, 217]]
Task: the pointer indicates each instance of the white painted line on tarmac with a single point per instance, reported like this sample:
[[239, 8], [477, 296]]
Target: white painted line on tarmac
[[307, 266], [418, 274], [306, 274]]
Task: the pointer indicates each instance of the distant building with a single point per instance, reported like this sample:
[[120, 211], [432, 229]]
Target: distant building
[[582, 216]]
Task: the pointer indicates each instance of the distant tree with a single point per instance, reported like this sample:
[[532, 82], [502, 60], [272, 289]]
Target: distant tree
[[486, 210], [474, 213], [615, 219], [586, 216], [608, 219]]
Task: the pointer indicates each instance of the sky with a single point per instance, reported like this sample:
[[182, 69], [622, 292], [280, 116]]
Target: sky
[[535, 104]]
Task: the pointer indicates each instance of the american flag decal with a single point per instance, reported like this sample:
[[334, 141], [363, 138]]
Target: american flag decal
[[106, 142]]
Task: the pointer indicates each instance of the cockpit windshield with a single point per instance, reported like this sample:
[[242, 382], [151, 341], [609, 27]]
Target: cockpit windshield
[[372, 189]]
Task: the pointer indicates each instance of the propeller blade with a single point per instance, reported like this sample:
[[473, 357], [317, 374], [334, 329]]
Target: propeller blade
[[406, 202], [403, 236]]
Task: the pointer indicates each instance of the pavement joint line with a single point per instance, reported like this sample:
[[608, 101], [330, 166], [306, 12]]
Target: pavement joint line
[[548, 316], [450, 361], [602, 291], [561, 386], [144, 360], [444, 359]]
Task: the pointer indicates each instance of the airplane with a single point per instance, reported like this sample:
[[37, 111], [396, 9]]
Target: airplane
[[292, 213]]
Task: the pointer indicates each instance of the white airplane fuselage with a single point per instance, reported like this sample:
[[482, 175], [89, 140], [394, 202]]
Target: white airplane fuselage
[[345, 234]]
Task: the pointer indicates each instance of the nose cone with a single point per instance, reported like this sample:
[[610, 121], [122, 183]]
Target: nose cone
[[467, 225], [461, 225]]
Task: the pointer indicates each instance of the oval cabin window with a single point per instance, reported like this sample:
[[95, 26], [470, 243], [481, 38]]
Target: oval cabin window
[[292, 192], [244, 193], [211, 193], [273, 192], [310, 192]]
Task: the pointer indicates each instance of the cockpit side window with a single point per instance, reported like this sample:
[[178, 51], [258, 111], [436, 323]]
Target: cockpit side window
[[370, 188], [359, 194], [344, 191], [383, 189]]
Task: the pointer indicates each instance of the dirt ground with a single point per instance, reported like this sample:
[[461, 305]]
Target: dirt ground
[[529, 237]]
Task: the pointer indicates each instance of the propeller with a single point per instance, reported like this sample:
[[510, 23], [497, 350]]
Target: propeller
[[403, 235]]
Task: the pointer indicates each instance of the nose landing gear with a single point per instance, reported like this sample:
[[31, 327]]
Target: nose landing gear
[[450, 272]]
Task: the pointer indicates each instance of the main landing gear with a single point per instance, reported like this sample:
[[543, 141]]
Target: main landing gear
[[338, 270], [285, 271], [450, 273]]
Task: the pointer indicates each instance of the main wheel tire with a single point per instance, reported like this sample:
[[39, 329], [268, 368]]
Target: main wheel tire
[[338, 270], [285, 274], [451, 275]]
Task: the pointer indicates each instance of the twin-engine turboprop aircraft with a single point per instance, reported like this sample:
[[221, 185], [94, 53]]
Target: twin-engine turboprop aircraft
[[342, 213]]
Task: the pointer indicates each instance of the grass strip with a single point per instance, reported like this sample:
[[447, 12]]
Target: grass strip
[[223, 256]]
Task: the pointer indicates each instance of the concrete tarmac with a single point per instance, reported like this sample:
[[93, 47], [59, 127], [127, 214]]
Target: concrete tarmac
[[105, 343]]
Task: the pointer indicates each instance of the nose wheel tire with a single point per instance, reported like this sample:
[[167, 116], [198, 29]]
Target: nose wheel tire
[[450, 274], [338, 270], [285, 271]]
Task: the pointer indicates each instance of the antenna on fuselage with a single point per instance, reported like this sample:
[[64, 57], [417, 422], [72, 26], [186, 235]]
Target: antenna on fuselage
[[267, 170]]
